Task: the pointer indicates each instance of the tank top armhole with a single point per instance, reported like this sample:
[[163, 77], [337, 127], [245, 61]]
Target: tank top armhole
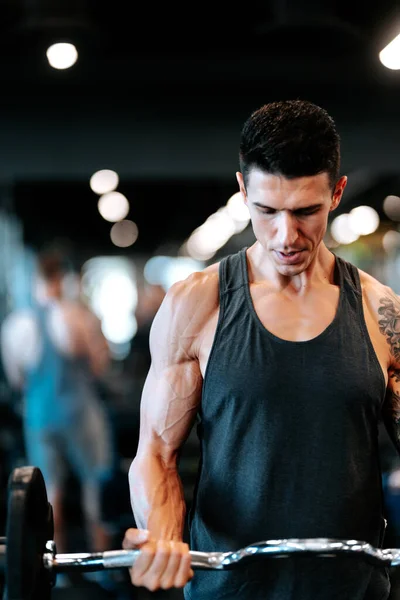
[[222, 296], [364, 327]]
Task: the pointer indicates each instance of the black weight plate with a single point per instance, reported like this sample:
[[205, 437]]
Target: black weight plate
[[29, 526]]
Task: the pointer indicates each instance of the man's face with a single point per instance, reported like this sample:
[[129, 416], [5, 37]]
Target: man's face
[[290, 216]]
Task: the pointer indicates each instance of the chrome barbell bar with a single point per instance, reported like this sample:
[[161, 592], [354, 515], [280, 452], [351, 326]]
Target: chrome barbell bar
[[281, 548]]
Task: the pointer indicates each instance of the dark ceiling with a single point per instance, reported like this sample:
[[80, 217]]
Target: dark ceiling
[[173, 48], [171, 63]]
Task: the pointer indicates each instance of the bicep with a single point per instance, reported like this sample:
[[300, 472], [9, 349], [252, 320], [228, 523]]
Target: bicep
[[169, 405], [172, 391]]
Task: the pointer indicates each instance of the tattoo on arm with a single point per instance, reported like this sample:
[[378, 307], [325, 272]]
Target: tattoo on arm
[[392, 416], [393, 407], [389, 326], [395, 375]]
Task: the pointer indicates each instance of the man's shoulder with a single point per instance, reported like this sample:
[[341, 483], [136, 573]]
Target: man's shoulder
[[188, 305], [201, 288], [376, 293], [197, 287], [205, 282]]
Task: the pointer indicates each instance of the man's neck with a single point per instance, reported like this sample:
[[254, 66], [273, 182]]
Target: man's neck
[[319, 272]]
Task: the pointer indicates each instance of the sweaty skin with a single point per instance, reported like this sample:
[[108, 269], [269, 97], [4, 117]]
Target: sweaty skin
[[295, 298]]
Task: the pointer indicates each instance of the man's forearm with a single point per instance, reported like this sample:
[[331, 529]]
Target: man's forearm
[[157, 498]]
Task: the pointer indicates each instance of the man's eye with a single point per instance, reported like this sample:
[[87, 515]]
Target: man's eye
[[307, 212]]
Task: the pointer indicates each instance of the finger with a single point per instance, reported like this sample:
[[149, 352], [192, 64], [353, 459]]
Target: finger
[[152, 577], [143, 563], [168, 578], [135, 537], [185, 571]]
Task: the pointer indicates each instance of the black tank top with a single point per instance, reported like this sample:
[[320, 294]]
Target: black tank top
[[289, 448]]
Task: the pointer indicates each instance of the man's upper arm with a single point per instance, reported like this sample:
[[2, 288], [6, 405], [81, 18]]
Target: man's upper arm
[[389, 318], [172, 391]]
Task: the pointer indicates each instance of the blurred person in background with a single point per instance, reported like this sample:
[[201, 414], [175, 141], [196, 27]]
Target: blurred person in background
[[55, 354]]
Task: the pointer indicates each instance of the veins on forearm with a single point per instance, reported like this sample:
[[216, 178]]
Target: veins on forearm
[[389, 326]]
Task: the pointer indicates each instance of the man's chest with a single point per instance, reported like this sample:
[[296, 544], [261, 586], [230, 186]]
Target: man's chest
[[300, 319], [296, 317]]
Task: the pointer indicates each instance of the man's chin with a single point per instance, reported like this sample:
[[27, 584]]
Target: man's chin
[[291, 270], [295, 268]]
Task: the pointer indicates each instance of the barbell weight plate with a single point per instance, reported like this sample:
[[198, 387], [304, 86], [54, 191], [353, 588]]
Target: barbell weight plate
[[30, 525]]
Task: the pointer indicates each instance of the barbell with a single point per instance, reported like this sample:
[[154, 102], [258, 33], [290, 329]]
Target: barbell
[[30, 561]]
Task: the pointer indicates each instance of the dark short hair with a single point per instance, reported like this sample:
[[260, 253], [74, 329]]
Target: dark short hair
[[293, 138]]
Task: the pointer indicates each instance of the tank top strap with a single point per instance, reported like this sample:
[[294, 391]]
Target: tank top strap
[[349, 281], [232, 272]]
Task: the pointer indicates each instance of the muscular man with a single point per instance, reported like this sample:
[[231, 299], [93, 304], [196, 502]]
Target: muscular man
[[289, 356]]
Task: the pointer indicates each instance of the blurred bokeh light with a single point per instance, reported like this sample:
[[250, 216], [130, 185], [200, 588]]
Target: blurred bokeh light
[[62, 55], [113, 206], [391, 207], [104, 181], [363, 220], [124, 233], [341, 230]]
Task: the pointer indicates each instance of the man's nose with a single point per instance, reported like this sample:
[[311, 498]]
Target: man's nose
[[287, 229]]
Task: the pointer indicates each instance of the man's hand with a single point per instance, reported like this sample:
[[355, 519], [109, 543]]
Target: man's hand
[[161, 564]]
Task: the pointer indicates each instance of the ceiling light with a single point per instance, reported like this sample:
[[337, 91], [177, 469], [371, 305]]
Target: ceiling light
[[62, 55], [113, 206], [104, 181], [390, 55]]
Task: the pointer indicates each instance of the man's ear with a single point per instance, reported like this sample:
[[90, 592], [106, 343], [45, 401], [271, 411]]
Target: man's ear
[[338, 192], [240, 180]]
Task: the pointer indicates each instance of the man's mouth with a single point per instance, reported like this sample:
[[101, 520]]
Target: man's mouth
[[289, 257]]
